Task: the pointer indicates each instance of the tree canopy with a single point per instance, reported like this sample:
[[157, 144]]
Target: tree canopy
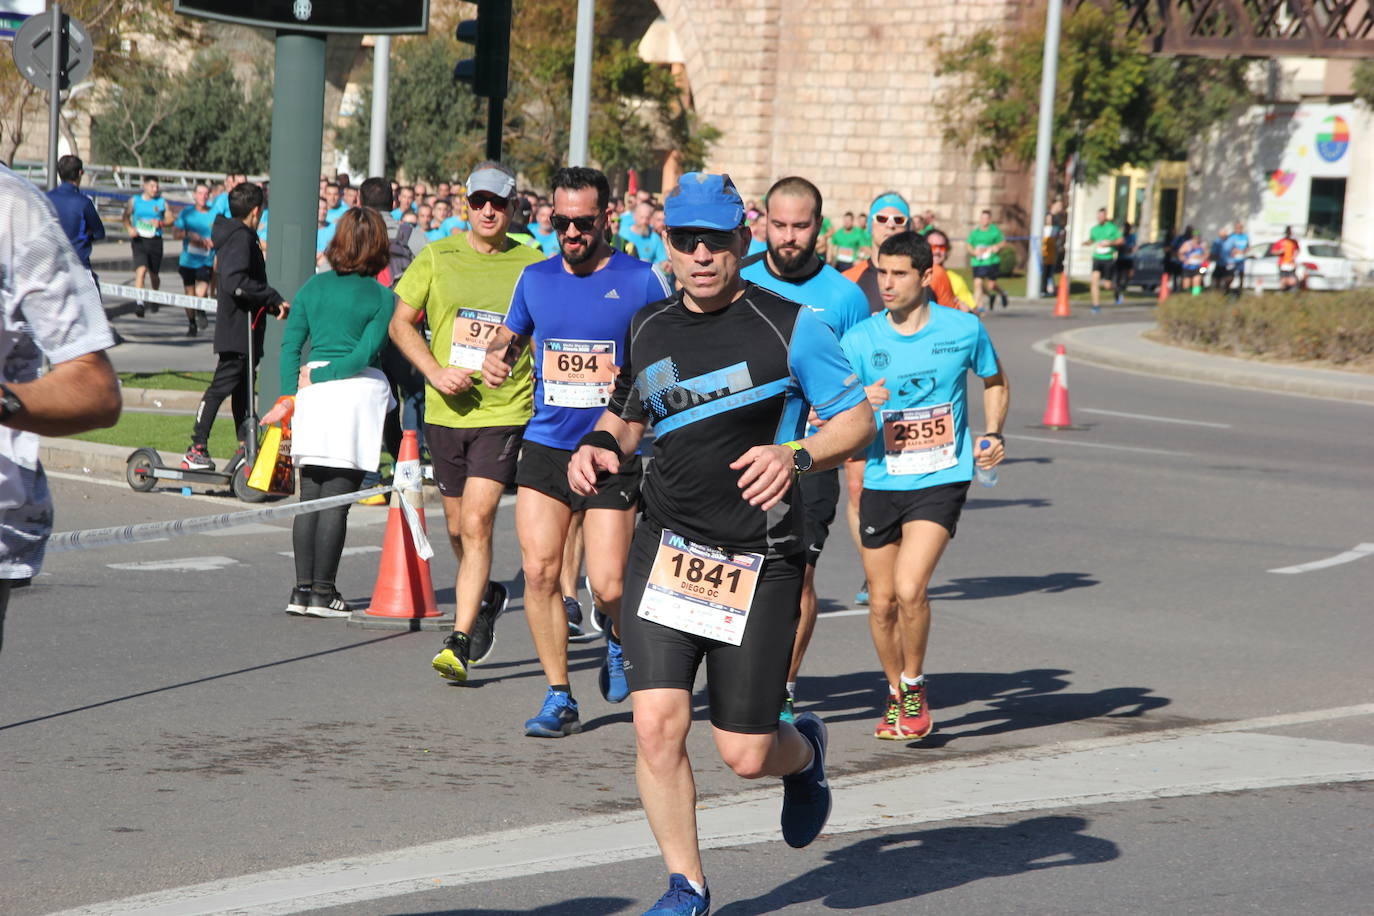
[[1114, 105]]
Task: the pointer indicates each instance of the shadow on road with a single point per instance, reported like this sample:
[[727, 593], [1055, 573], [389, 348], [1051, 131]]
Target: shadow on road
[[889, 869], [1031, 503], [1012, 701], [974, 587], [202, 680], [583, 906]]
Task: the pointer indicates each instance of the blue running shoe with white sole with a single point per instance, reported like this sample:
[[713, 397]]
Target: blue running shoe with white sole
[[557, 717], [681, 900], [861, 596], [806, 795], [614, 687]]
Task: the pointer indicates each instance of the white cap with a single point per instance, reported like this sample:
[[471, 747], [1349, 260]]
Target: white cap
[[493, 181]]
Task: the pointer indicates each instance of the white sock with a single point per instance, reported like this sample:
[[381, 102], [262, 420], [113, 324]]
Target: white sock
[[792, 689], [699, 888], [916, 681]]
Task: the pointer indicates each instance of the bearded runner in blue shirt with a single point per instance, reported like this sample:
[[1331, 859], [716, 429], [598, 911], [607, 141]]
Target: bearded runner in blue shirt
[[914, 360], [574, 311], [789, 267], [725, 371]]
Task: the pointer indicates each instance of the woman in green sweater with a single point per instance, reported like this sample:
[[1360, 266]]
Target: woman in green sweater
[[340, 398]]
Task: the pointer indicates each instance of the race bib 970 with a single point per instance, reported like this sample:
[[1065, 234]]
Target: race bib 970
[[473, 330]]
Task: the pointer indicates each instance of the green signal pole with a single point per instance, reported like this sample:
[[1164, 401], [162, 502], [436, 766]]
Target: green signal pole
[[297, 137]]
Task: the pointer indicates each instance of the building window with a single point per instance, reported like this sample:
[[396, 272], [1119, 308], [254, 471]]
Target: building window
[[1326, 207]]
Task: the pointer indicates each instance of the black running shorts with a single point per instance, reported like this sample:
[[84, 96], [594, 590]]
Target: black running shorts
[[745, 684], [546, 469], [882, 513], [483, 451], [190, 276], [820, 494], [148, 253], [986, 271]]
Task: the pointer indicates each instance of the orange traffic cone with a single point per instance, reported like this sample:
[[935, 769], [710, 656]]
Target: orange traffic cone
[[1061, 301], [1057, 407], [404, 587], [1163, 288]]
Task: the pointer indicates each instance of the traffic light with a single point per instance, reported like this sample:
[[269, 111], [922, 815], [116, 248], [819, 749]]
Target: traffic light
[[489, 34]]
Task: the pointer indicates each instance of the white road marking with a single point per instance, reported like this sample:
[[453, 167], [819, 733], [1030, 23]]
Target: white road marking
[[1198, 760], [347, 551], [184, 564], [1146, 416], [1360, 552], [250, 528], [1115, 448]]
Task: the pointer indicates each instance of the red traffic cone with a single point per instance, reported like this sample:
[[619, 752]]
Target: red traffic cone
[[1057, 407], [1061, 301], [404, 587]]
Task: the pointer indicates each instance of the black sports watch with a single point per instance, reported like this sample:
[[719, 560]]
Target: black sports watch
[[9, 403], [801, 458]]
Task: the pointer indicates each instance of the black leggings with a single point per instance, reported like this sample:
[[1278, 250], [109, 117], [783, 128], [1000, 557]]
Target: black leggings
[[318, 537], [229, 381]]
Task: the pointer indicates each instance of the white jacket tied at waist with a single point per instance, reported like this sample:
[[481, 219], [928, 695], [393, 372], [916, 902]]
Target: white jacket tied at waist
[[338, 424]]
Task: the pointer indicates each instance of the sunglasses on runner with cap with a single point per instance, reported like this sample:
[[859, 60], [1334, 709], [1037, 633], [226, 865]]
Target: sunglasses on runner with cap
[[686, 240], [480, 200], [585, 224], [895, 219]]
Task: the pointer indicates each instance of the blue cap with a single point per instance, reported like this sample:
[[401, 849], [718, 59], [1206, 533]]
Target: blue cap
[[704, 200], [883, 201]]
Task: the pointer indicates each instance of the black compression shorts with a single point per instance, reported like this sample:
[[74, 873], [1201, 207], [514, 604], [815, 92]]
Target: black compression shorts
[[745, 684], [820, 494], [545, 469]]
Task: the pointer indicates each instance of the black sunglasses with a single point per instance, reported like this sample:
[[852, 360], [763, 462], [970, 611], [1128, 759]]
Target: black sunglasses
[[585, 224], [687, 240], [480, 200]]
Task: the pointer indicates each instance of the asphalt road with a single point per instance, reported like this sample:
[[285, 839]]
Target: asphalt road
[[1135, 714]]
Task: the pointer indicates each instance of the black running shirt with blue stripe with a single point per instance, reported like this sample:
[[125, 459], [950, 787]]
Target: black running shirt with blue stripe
[[714, 385]]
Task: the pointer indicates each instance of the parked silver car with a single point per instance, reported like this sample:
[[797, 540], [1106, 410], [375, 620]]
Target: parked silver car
[[1321, 265]]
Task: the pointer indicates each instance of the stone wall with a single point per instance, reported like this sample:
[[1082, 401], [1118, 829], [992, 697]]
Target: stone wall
[[845, 94]]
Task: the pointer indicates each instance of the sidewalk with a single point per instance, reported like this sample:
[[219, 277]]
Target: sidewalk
[[1124, 346]]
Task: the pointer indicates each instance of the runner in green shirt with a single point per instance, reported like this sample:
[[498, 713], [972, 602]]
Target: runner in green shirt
[[463, 284], [984, 245], [1105, 239], [845, 244]]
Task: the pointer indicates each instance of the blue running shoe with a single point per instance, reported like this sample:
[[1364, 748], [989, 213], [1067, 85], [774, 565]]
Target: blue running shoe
[[557, 717], [806, 796], [787, 714], [681, 900], [614, 687], [861, 596]]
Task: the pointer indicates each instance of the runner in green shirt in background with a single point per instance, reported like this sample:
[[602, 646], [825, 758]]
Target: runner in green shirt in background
[[1105, 238], [845, 244], [984, 247]]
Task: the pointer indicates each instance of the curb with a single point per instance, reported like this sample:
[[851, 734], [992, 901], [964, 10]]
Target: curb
[[87, 457], [168, 399], [1163, 360]]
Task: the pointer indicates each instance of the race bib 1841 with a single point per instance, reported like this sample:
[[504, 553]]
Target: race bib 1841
[[919, 440], [578, 373], [700, 589], [473, 330]]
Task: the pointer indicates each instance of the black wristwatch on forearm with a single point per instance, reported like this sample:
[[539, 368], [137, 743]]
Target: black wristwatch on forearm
[[9, 403], [801, 458]]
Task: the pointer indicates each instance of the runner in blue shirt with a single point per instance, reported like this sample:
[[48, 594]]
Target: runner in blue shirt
[[194, 224], [1234, 253], [574, 311], [913, 361], [790, 267], [145, 216], [648, 245]]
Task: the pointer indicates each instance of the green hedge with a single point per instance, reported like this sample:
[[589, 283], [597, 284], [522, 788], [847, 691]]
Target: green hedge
[[1332, 327]]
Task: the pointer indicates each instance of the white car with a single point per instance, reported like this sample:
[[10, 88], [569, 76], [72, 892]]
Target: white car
[[1321, 265]]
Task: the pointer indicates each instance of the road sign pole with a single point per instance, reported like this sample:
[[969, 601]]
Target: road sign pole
[[297, 136], [496, 113], [59, 45], [381, 73], [1044, 142], [582, 83]]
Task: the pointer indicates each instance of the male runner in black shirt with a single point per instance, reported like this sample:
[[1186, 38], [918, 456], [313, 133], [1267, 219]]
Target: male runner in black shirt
[[725, 372]]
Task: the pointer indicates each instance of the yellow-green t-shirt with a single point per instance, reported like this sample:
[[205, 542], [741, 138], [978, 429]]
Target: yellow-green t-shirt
[[465, 296]]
